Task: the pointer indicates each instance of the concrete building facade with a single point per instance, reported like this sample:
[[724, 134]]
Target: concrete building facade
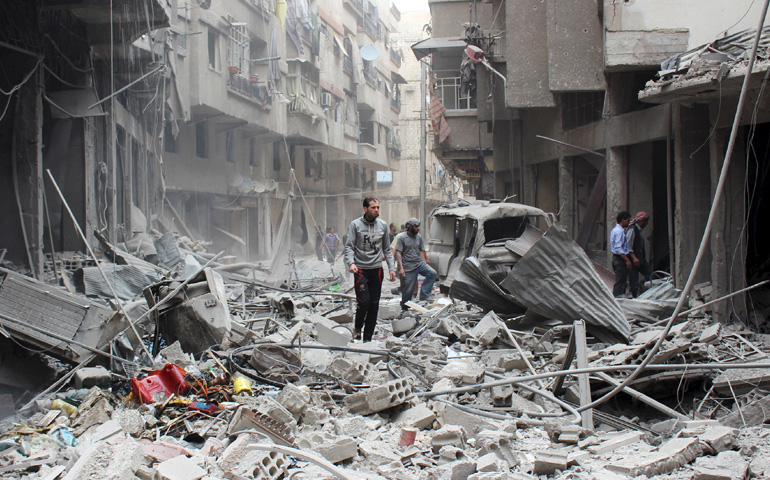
[[571, 136]]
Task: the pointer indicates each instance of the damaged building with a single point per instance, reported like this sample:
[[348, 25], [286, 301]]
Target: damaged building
[[559, 116]]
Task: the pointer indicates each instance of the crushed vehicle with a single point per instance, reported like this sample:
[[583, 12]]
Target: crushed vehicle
[[494, 255]]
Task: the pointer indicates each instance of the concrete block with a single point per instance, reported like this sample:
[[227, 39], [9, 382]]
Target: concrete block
[[458, 470], [450, 415], [378, 453], [727, 465], [616, 441], [88, 377], [450, 453], [491, 463], [487, 330], [341, 316], [329, 336], [502, 396], [463, 372], [711, 334], [419, 416], [670, 456], [239, 460], [335, 448], [499, 443], [718, 439], [351, 370], [454, 435], [514, 361], [380, 398], [276, 411], [315, 416], [294, 399], [548, 461], [180, 468]]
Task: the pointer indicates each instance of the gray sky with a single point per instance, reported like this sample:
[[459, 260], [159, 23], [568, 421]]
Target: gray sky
[[411, 5]]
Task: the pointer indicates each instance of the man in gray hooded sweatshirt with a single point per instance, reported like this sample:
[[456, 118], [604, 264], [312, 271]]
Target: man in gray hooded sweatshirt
[[368, 239]]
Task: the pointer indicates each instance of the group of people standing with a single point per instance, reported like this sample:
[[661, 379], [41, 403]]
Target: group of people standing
[[628, 253], [368, 242]]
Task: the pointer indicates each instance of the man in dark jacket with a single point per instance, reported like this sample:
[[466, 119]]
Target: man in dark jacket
[[637, 253]]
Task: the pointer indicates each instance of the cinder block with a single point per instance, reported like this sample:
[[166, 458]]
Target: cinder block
[[88, 377], [352, 371], [463, 372], [380, 398], [499, 443], [419, 416], [294, 399]]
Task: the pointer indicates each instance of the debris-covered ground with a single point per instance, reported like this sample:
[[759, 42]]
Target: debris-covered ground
[[223, 374]]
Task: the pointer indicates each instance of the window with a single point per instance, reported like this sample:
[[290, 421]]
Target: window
[[302, 80], [367, 132], [238, 45], [169, 141], [277, 156], [253, 161], [213, 49], [201, 140], [229, 147], [581, 108], [448, 91]]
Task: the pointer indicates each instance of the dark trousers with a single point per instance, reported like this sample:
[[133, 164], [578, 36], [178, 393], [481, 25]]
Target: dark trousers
[[332, 253], [621, 275], [633, 276], [368, 284]]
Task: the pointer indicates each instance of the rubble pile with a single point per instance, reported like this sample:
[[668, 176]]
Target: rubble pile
[[217, 374]]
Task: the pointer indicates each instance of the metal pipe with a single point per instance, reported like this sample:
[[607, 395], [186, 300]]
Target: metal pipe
[[571, 146], [423, 139], [98, 265], [155, 70]]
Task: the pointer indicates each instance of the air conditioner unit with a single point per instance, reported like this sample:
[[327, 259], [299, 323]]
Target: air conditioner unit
[[326, 99]]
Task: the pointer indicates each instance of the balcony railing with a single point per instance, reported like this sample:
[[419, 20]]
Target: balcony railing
[[448, 91], [370, 75], [347, 64], [371, 27], [264, 5], [250, 88], [395, 104], [356, 4], [395, 56]]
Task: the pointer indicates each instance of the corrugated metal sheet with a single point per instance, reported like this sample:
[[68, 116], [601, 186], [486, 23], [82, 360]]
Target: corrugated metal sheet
[[473, 285], [521, 245], [127, 280], [557, 280]]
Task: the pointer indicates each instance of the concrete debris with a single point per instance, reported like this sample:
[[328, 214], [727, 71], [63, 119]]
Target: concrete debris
[[238, 363]]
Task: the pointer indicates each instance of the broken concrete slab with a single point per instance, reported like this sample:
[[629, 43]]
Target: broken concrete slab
[[547, 462], [667, 458], [728, 465], [180, 468], [420, 416]]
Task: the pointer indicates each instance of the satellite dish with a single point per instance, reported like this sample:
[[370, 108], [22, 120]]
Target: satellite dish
[[369, 53], [234, 179], [259, 186]]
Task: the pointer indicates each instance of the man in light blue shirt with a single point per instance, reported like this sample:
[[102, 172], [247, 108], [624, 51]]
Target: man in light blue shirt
[[621, 264]]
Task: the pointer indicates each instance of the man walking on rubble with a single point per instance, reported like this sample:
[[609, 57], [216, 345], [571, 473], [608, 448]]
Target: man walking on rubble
[[621, 264], [367, 240], [332, 240], [413, 261], [636, 251]]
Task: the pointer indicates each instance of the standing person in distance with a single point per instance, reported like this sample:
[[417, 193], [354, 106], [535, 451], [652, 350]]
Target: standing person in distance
[[319, 241], [332, 240], [621, 263], [636, 251], [413, 261], [367, 240]]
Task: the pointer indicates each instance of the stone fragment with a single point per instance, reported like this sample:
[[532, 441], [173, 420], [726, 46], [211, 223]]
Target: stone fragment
[[728, 465], [419, 416], [718, 439], [315, 416], [130, 421], [335, 448], [88, 377], [498, 442], [180, 468], [711, 334], [450, 415], [462, 372], [107, 462], [548, 461], [174, 354], [670, 456], [379, 398], [458, 470], [759, 467], [502, 395], [487, 330], [491, 463], [294, 399], [355, 426], [449, 435], [378, 453], [617, 441]]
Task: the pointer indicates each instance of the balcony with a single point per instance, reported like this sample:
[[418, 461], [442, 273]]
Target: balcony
[[263, 6], [370, 74], [356, 5], [395, 56], [371, 27], [448, 91], [395, 104], [251, 89]]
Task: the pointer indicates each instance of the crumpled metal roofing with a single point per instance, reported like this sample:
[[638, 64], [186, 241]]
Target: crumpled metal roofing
[[556, 279], [483, 210], [472, 284], [127, 280]]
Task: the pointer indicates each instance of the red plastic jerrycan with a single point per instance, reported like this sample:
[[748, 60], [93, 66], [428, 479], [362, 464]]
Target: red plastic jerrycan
[[160, 384]]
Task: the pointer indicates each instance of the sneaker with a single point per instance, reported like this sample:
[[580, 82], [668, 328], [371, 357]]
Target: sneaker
[[356, 334]]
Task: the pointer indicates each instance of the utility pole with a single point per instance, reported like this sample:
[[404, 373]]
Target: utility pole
[[423, 146]]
